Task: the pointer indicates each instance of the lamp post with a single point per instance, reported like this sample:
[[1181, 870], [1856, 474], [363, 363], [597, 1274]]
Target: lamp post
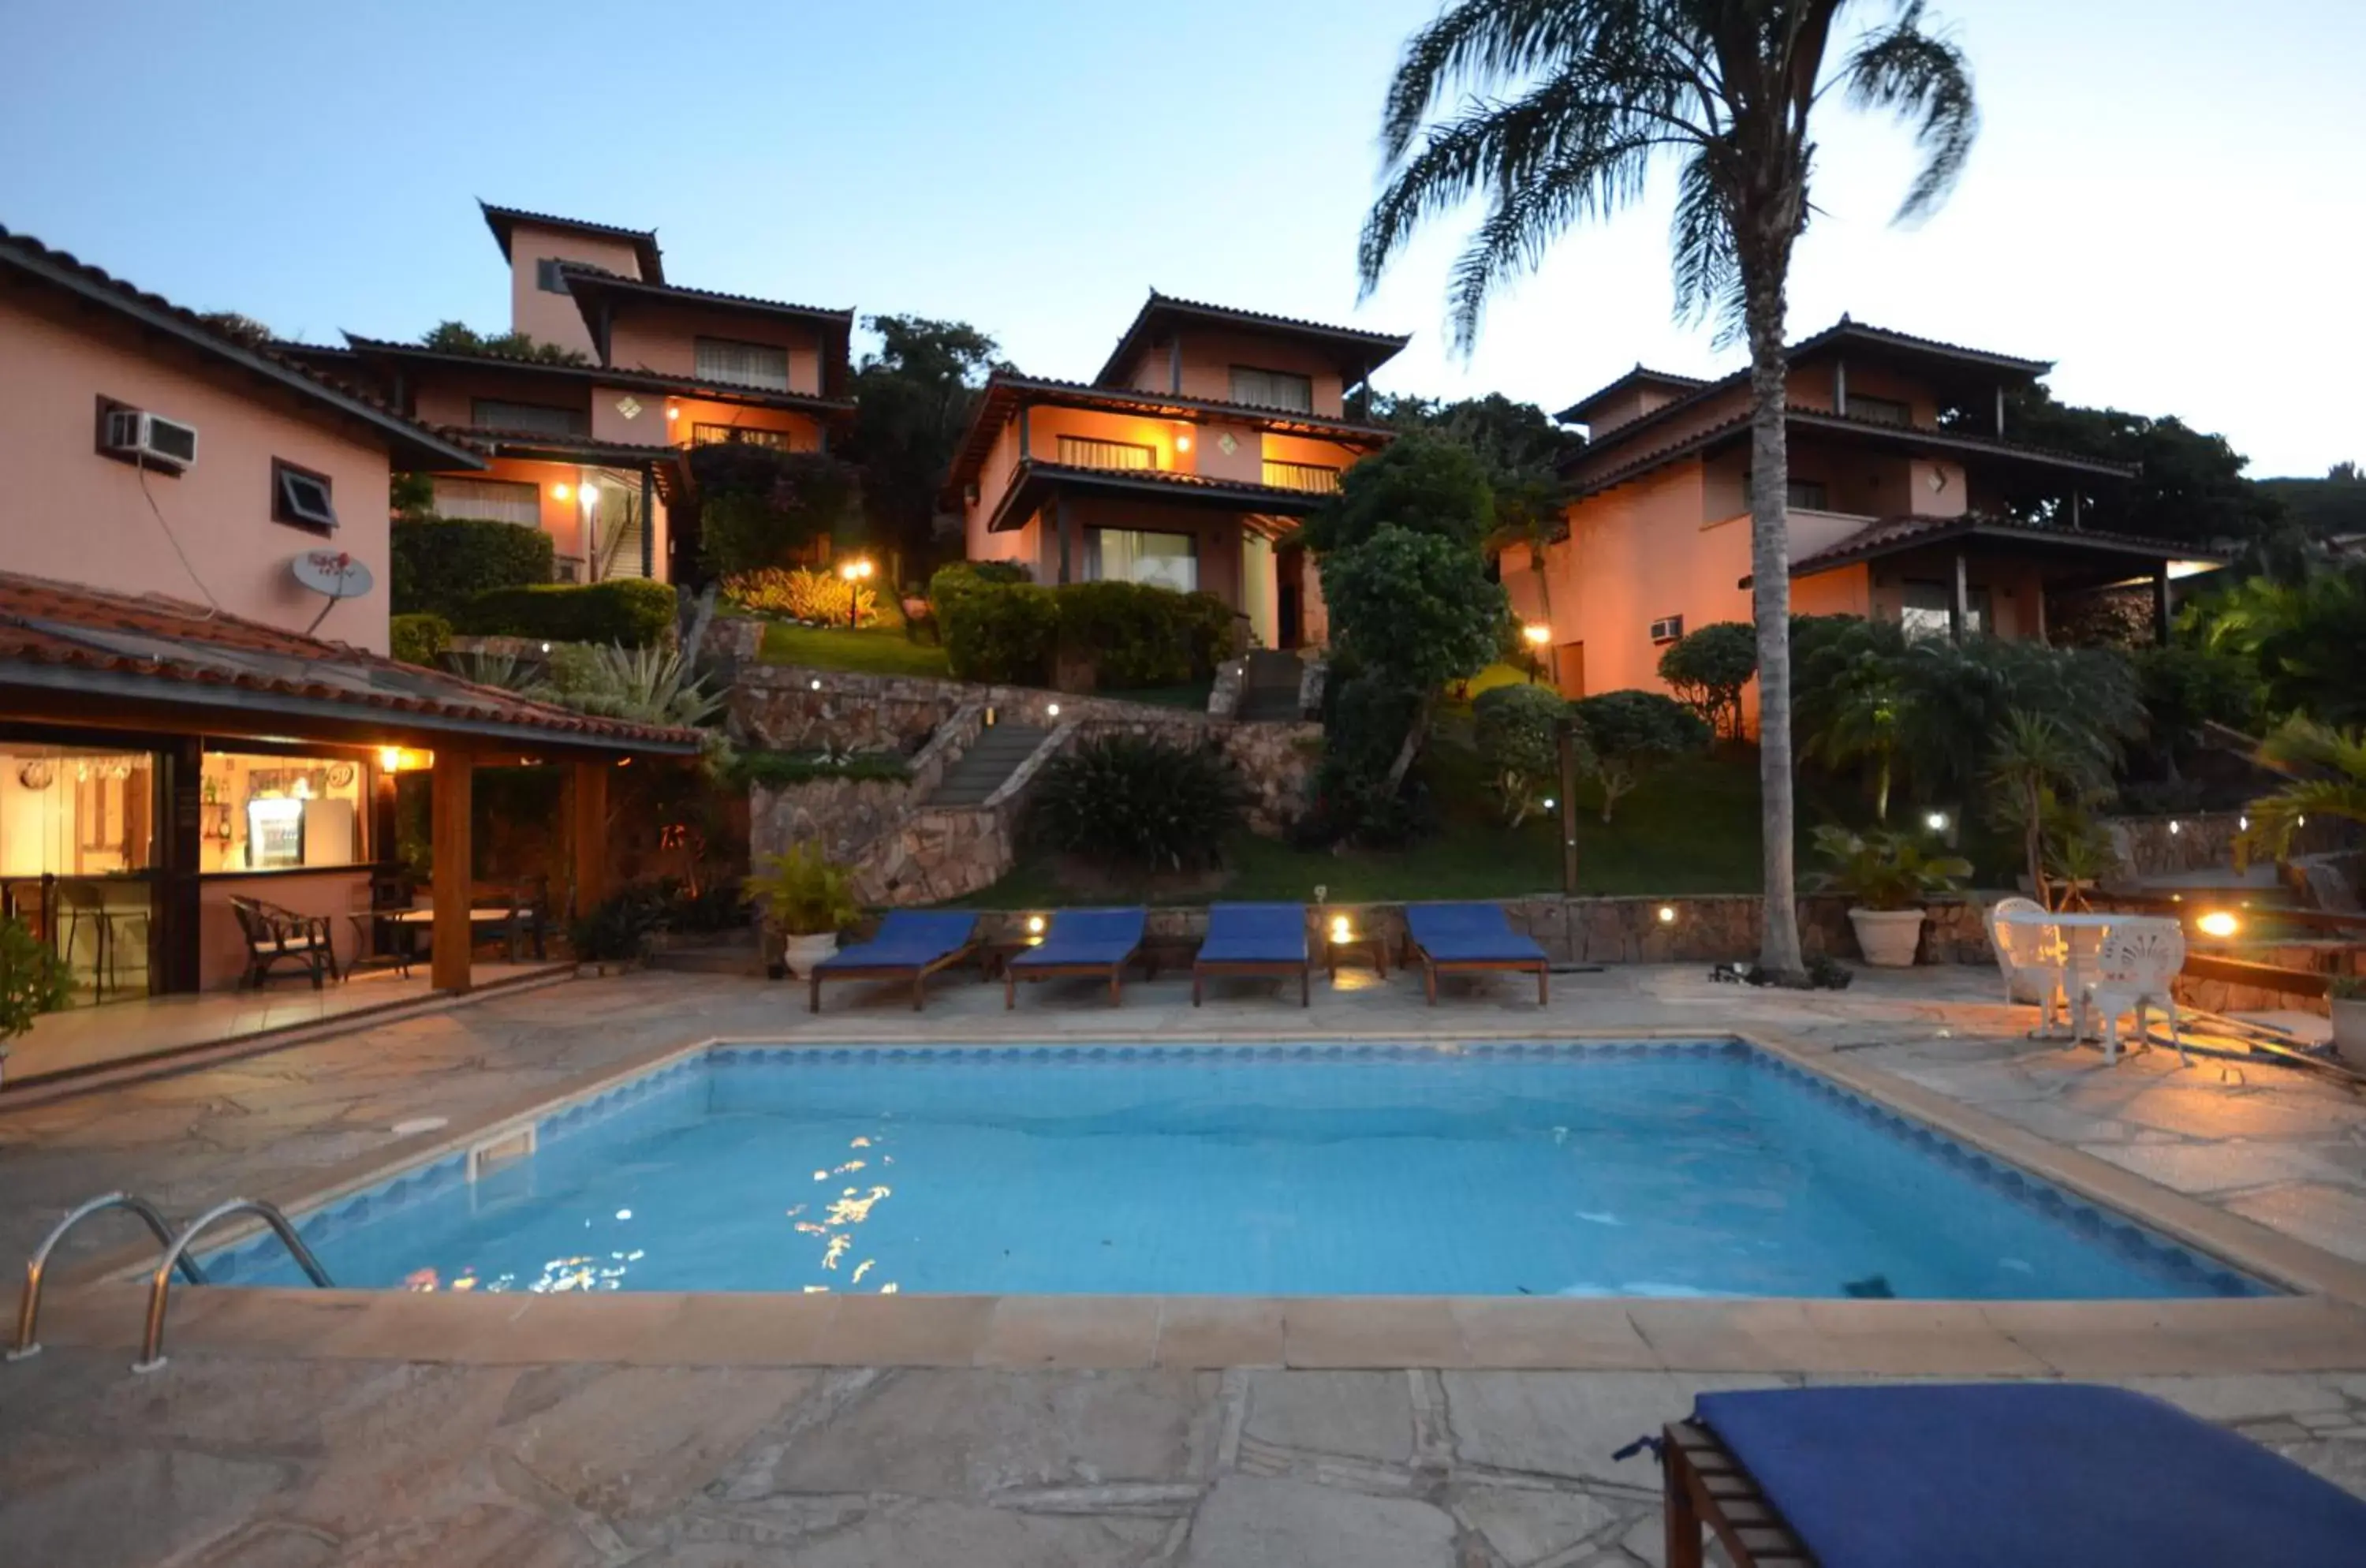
[[1536, 637], [854, 572]]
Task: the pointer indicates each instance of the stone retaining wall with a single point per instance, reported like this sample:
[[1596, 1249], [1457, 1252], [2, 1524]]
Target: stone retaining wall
[[2181, 845], [850, 814]]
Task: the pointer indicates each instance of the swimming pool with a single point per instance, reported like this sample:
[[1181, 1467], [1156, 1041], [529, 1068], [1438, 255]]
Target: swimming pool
[[1659, 1168]]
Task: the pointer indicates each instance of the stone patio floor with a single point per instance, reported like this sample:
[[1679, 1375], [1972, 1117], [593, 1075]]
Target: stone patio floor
[[279, 1454]]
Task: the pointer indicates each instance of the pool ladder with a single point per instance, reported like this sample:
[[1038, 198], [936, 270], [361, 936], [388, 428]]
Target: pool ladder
[[177, 1256]]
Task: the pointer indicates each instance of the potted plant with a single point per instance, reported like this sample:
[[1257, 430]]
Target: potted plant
[[615, 933], [808, 898], [33, 982], [2346, 996], [1887, 877]]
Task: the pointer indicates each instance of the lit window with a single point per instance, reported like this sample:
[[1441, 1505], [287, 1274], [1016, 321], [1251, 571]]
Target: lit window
[[743, 364], [496, 501], [1925, 612], [300, 496], [1272, 390], [1123, 555], [745, 435], [1081, 451]]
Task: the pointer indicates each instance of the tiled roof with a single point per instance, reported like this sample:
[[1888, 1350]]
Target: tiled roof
[[1887, 536], [408, 436], [501, 219], [1129, 341], [1252, 497], [1005, 389], [1642, 375], [606, 374], [191, 652], [1842, 329], [600, 277], [1821, 418]]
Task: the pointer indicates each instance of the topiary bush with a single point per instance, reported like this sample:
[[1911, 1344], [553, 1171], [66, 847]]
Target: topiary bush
[[630, 611], [438, 564], [950, 581], [419, 638], [1516, 731], [1006, 631], [1132, 801], [1630, 733], [1138, 635], [800, 593], [1708, 668]]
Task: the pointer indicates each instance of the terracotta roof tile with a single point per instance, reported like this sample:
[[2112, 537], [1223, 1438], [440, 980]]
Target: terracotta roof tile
[[1128, 341]]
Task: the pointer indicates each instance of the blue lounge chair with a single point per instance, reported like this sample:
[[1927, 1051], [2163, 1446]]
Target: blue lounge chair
[[1953, 1475], [1256, 938], [1462, 938], [1080, 942], [911, 945]]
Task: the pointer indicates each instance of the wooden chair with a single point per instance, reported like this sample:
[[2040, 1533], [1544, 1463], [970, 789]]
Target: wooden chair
[[276, 936]]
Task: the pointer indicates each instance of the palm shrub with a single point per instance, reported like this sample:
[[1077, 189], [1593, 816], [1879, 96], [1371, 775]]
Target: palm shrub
[[1630, 733], [1133, 801], [803, 892], [1709, 667], [1517, 729], [32, 981], [1849, 703], [1881, 870], [2327, 769], [2038, 766]]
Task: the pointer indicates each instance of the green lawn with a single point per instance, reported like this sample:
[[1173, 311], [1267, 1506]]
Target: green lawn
[[874, 650]]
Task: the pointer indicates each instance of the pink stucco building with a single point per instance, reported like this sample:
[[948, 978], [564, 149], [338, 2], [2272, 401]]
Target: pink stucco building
[[1202, 441]]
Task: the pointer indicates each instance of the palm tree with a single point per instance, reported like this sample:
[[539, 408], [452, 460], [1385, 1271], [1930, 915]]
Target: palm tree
[[1568, 105], [2042, 771], [2326, 770]]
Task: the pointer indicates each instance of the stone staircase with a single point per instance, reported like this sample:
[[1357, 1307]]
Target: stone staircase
[[988, 764], [1270, 687]]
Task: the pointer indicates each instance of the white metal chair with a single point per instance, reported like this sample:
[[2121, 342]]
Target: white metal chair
[[2134, 968], [2030, 954]]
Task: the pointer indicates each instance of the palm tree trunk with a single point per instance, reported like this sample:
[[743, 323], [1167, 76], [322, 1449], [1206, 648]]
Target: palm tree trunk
[[1881, 789], [1411, 747], [1770, 567]]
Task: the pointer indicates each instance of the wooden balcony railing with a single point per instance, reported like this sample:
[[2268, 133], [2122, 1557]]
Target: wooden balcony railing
[[1312, 478]]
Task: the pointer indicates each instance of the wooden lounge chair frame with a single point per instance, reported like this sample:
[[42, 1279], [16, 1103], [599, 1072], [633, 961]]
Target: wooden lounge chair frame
[[1012, 973], [918, 972], [1281, 968], [1430, 968], [1706, 1485]]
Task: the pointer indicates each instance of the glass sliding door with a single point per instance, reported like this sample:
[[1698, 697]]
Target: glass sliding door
[[78, 827], [1124, 555]]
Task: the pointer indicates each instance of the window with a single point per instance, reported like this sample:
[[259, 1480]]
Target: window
[[1925, 610], [538, 419], [300, 496], [1122, 555], [1311, 476], [1668, 628], [1272, 390], [1081, 452], [743, 364], [1881, 410], [547, 276], [71, 812], [745, 435], [1799, 495], [266, 813], [495, 501]]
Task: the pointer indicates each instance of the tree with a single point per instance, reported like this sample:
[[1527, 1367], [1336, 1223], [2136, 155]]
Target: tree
[[912, 401], [2327, 769], [1422, 483], [1708, 666], [2307, 639], [2188, 486], [2043, 771], [762, 507], [1512, 441], [1416, 610], [1562, 108], [1517, 729], [1632, 732], [460, 337], [1850, 695]]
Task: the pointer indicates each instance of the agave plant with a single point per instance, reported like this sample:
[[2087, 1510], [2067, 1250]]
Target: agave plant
[[643, 685], [2327, 772]]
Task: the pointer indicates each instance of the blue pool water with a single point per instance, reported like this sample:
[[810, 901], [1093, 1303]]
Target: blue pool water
[[1661, 1169]]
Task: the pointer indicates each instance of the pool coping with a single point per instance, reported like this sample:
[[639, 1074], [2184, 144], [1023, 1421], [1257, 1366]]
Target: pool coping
[[2320, 1326]]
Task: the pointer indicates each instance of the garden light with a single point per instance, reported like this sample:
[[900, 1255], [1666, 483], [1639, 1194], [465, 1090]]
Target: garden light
[[1034, 925], [1667, 914], [389, 759], [1538, 635], [1051, 710], [1182, 443], [1342, 930], [817, 686], [1550, 803], [2173, 828], [2219, 922], [1936, 821]]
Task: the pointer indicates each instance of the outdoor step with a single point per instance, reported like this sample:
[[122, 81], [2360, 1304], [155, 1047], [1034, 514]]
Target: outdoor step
[[1266, 669], [991, 758], [1268, 703]]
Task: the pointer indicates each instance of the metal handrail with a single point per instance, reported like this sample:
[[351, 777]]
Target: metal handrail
[[29, 1305], [152, 1348]]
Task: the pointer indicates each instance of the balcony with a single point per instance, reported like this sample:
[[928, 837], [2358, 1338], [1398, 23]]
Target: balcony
[[1312, 478], [1081, 451]]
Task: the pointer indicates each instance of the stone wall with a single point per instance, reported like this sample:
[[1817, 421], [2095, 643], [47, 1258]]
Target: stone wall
[[942, 852], [852, 814], [2177, 846]]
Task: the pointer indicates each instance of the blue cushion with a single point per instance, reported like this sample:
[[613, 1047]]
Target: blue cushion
[[2030, 1475], [1468, 933], [1087, 936], [914, 936], [1255, 933]]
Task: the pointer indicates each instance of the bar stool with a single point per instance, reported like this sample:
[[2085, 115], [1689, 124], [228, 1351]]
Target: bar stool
[[80, 902]]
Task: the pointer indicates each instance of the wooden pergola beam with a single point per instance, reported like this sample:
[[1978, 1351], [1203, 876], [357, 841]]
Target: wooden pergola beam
[[454, 856]]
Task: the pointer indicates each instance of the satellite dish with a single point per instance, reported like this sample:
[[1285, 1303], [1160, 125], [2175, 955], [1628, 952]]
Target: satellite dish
[[334, 573]]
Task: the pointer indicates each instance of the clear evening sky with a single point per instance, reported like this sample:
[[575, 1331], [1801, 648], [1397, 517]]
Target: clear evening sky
[[2165, 197]]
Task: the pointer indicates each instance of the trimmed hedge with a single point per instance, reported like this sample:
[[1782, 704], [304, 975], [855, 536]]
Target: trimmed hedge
[[1135, 635], [438, 564], [419, 638], [627, 610]]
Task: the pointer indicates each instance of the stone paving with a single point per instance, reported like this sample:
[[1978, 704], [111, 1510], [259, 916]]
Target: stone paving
[[286, 1459]]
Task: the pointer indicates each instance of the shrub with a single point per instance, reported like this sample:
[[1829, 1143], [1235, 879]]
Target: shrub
[[1516, 732], [952, 581], [631, 611], [616, 930], [1132, 801], [1885, 871], [438, 564], [1138, 635], [419, 638], [764, 505], [1709, 667], [803, 892], [1630, 733], [32, 981], [1421, 482], [799, 593], [1005, 632], [649, 684], [1417, 610], [1365, 722]]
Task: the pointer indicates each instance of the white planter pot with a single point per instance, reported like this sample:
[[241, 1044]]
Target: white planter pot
[[802, 952], [1888, 937], [2349, 1029]]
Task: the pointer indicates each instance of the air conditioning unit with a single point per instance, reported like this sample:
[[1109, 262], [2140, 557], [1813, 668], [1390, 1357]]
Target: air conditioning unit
[[152, 438], [1670, 628]]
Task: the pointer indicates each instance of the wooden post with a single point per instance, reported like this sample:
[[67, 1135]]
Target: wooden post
[[2161, 604], [590, 835], [454, 870], [1565, 740], [1959, 603]]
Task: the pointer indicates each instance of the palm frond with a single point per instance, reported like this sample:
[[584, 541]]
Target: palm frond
[[1922, 79], [1487, 42], [1708, 268]]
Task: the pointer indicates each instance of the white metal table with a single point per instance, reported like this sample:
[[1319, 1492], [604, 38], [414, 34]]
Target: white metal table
[[2072, 949]]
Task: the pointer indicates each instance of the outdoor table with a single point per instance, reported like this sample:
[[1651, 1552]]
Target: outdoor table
[[2074, 950], [411, 922]]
